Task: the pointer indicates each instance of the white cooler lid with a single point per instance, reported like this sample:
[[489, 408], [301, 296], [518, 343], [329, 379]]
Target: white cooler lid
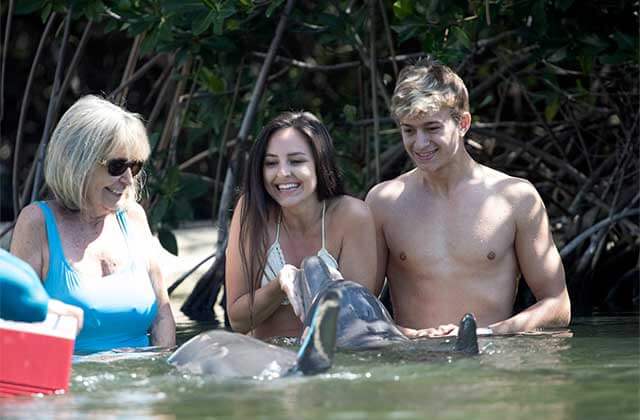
[[63, 326]]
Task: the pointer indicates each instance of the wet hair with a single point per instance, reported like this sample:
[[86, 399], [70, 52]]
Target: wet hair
[[259, 208], [90, 130], [427, 87]]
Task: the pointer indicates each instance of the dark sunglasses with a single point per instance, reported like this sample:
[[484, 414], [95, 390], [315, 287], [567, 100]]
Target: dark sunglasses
[[117, 167]]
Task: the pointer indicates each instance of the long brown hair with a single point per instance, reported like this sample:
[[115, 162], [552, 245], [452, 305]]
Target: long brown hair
[[258, 207]]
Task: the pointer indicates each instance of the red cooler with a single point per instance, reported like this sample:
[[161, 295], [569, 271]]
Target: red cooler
[[35, 357]]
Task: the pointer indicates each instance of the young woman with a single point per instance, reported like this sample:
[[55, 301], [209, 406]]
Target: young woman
[[293, 205], [91, 244]]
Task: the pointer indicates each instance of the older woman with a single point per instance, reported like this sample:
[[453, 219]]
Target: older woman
[[92, 244], [293, 206]]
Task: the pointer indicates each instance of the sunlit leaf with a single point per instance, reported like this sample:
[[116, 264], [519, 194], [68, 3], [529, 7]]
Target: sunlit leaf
[[402, 8]]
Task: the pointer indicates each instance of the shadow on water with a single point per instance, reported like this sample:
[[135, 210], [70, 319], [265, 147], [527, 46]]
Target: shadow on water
[[594, 374]]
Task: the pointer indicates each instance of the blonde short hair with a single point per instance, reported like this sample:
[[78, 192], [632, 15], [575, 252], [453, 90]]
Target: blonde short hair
[[427, 87], [90, 130]]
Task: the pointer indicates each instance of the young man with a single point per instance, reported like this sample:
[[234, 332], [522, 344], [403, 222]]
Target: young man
[[454, 235]]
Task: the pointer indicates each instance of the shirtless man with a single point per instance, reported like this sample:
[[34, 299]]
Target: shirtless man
[[454, 235]]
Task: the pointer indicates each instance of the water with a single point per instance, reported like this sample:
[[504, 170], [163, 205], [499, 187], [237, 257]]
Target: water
[[593, 374]]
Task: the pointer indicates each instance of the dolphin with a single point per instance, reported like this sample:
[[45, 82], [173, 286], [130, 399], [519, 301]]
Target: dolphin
[[232, 355], [363, 321]]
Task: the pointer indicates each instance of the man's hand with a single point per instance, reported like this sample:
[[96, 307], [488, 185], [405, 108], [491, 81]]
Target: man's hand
[[448, 330]]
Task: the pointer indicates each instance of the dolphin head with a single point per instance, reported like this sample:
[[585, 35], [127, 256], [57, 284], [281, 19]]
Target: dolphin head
[[316, 276]]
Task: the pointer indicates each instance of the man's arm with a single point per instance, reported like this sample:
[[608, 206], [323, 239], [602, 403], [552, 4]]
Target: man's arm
[[540, 265], [376, 203]]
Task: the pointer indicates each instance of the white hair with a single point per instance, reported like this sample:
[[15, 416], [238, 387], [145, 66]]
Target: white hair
[[90, 130]]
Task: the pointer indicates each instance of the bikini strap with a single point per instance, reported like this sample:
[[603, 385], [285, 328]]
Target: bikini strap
[[278, 227], [323, 208]]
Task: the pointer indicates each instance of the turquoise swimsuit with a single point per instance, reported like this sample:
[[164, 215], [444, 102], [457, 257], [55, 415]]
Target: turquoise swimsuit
[[118, 309]]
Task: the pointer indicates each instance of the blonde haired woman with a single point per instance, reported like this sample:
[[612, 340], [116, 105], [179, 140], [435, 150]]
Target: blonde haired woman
[[91, 243]]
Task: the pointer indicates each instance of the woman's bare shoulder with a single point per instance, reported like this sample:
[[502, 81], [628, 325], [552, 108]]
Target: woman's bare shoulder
[[30, 222], [346, 210], [136, 213], [29, 236]]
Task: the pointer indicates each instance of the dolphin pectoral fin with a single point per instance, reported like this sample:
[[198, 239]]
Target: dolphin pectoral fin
[[467, 341], [317, 350]]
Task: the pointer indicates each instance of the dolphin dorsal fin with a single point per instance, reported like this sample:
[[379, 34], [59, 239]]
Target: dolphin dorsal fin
[[467, 341]]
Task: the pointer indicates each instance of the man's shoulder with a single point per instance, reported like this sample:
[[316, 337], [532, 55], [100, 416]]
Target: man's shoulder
[[390, 190], [518, 191], [506, 183]]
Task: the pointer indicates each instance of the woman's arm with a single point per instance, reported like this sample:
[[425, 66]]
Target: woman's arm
[[267, 299], [163, 329], [29, 241], [358, 254]]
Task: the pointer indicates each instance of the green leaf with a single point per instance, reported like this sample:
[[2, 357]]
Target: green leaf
[[403, 8], [485, 101], [625, 42], [25, 7], [158, 211], [171, 182], [552, 109], [168, 241], [460, 37], [153, 139], [45, 12], [564, 4], [247, 4], [616, 58], [183, 210], [211, 81], [202, 23], [350, 113], [192, 186], [596, 43], [539, 18], [558, 55], [272, 7]]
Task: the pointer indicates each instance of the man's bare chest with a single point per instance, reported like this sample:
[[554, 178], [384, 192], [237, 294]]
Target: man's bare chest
[[471, 232]]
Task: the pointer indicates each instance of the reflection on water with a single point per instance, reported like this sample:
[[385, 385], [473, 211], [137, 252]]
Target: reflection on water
[[591, 375]]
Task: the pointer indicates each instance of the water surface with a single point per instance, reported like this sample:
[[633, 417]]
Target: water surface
[[592, 373]]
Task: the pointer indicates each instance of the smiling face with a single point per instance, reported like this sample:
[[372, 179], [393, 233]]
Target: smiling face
[[289, 170], [107, 193], [433, 140]]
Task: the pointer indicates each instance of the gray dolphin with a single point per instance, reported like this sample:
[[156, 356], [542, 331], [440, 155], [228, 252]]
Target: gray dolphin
[[231, 355], [363, 322]]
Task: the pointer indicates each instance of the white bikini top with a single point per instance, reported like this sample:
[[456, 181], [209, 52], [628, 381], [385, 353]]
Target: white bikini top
[[275, 257]]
